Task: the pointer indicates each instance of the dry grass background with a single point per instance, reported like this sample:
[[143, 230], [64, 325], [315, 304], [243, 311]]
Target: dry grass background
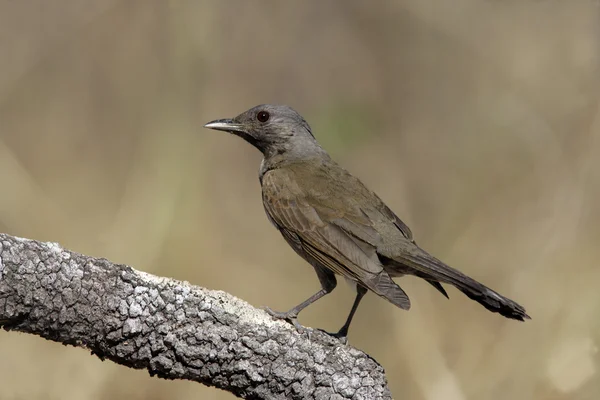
[[478, 122]]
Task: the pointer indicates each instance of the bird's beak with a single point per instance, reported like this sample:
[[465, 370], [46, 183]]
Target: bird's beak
[[227, 125]]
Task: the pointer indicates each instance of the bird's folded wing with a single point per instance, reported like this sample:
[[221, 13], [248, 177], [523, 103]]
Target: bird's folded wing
[[325, 241], [396, 220], [332, 245]]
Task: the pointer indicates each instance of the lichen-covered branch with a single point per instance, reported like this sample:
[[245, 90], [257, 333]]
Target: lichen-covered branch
[[173, 329]]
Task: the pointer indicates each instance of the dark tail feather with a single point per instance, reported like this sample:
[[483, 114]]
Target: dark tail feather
[[384, 286], [439, 287], [432, 269]]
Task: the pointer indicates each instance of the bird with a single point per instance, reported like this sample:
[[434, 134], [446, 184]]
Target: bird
[[338, 225]]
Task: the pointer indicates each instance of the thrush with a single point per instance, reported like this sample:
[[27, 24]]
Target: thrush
[[335, 223]]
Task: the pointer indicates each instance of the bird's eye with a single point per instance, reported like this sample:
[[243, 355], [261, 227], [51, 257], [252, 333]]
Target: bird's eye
[[262, 116]]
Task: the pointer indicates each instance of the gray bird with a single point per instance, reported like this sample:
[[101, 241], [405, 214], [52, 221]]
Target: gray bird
[[335, 223]]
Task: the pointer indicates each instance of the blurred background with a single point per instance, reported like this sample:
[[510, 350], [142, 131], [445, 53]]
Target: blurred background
[[477, 121]]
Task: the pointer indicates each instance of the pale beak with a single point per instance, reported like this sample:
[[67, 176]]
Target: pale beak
[[227, 125]]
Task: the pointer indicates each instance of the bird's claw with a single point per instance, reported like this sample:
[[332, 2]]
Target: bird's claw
[[341, 336], [290, 317]]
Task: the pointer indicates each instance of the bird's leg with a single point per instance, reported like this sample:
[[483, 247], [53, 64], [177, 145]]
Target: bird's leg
[[343, 332], [292, 315], [328, 283]]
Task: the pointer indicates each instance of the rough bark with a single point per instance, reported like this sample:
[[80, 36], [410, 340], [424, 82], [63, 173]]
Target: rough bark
[[173, 329]]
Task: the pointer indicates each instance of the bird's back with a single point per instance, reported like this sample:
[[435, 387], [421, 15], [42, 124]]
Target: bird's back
[[339, 195]]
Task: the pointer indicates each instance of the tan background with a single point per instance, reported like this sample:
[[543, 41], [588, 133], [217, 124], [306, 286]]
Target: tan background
[[477, 121]]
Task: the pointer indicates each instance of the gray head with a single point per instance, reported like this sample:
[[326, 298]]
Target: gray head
[[273, 129]]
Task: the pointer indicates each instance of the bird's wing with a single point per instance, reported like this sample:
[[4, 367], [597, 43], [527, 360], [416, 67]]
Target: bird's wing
[[359, 220], [321, 233], [397, 221]]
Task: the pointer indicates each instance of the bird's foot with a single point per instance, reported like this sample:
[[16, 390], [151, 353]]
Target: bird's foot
[[290, 317], [342, 336]]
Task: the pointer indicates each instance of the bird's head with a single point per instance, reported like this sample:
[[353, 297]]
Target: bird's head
[[270, 128]]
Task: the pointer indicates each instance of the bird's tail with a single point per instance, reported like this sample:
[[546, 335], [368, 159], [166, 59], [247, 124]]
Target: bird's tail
[[428, 267]]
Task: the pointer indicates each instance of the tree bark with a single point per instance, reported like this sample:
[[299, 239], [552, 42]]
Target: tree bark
[[173, 329]]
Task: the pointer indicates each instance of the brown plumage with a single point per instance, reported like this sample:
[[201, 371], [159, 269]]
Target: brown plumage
[[333, 221]]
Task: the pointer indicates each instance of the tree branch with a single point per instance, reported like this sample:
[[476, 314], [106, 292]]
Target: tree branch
[[173, 329]]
